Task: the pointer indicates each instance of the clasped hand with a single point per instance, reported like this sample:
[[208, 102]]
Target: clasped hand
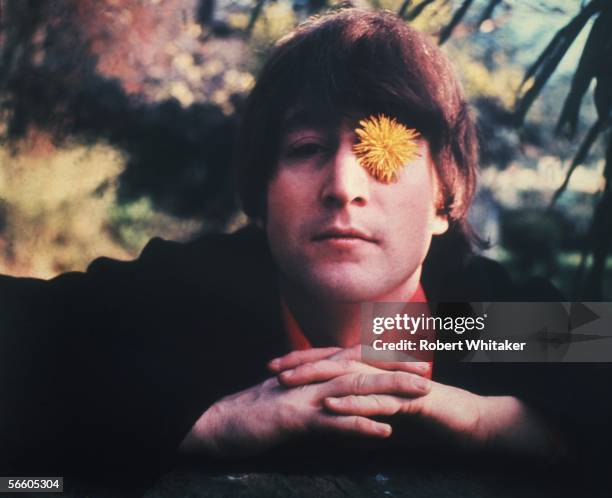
[[333, 390]]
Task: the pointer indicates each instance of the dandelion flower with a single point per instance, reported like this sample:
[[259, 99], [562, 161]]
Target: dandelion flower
[[385, 146]]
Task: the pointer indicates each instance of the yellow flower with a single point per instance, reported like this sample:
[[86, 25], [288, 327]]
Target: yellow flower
[[385, 146]]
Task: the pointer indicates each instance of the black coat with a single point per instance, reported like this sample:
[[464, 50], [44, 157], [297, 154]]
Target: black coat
[[110, 368]]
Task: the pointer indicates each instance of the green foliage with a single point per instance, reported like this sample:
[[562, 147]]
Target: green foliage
[[116, 124], [54, 216], [133, 224], [534, 237]]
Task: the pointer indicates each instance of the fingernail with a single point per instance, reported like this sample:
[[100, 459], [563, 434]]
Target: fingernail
[[421, 383], [333, 401], [385, 430], [274, 364], [287, 373]]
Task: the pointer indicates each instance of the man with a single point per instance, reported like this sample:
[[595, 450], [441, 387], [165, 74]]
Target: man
[[130, 362], [341, 237]]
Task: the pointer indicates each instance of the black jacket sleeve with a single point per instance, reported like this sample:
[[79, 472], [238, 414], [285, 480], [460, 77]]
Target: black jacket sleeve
[[573, 398], [105, 371]]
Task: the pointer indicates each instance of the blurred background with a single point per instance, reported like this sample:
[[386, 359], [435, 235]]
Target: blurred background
[[118, 120]]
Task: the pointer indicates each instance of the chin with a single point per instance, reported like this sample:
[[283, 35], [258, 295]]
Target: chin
[[345, 288]]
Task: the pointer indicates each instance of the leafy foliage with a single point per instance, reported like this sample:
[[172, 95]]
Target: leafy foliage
[[140, 102], [594, 64]]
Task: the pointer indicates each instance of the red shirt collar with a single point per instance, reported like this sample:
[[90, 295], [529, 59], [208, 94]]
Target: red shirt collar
[[295, 336]]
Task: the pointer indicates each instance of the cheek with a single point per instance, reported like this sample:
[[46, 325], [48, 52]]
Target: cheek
[[277, 199], [412, 228], [285, 190], [285, 201], [409, 217], [411, 204]]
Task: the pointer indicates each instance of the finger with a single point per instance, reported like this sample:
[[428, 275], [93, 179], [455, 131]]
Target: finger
[[296, 358], [411, 366], [353, 424], [396, 383], [352, 353], [365, 406], [320, 371], [403, 362]]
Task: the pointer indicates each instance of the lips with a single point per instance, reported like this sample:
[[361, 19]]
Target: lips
[[348, 234]]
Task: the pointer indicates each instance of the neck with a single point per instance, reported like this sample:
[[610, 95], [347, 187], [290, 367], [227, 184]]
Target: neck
[[333, 323]]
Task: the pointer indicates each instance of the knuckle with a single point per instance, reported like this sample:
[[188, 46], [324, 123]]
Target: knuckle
[[342, 354], [308, 369], [351, 401], [402, 381], [328, 365], [359, 382], [291, 357], [270, 383], [349, 354], [310, 423], [347, 364], [360, 424], [377, 401], [412, 407], [396, 381]]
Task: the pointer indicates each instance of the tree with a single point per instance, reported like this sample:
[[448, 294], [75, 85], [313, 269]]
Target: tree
[[595, 64]]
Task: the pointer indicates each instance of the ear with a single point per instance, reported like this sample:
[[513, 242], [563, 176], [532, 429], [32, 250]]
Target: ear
[[439, 223]]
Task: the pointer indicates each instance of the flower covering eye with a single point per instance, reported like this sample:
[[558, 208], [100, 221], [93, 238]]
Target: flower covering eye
[[385, 146]]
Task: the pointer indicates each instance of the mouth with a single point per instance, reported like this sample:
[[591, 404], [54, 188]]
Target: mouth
[[344, 235]]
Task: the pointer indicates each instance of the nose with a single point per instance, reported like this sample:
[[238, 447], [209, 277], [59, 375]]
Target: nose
[[346, 182]]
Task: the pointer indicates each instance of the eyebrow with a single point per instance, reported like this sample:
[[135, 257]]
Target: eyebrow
[[299, 118]]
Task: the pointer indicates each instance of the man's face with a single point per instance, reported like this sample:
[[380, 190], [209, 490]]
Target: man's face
[[338, 233]]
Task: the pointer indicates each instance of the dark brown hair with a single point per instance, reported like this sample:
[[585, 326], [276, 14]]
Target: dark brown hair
[[353, 63]]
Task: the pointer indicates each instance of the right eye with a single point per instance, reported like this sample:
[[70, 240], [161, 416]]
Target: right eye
[[304, 150]]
